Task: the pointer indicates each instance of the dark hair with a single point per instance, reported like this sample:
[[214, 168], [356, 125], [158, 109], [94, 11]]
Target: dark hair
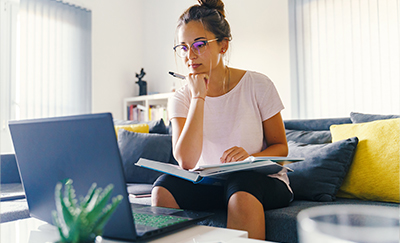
[[212, 14]]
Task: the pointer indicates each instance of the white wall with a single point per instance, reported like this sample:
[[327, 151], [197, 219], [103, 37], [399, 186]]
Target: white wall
[[159, 32], [131, 34], [260, 30], [117, 52], [260, 42]]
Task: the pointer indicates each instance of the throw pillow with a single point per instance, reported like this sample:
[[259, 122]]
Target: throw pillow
[[142, 128], [360, 117], [312, 137], [320, 175], [143, 145], [157, 126], [374, 174]]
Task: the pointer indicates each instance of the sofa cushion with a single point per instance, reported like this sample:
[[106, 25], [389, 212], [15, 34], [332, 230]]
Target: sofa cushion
[[14, 210], [281, 223], [314, 124], [157, 126], [138, 190], [361, 117], [312, 137], [320, 175], [142, 128], [143, 145], [12, 191], [374, 174]]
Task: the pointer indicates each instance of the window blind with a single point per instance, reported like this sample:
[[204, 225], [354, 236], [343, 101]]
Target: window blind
[[54, 76], [8, 26], [347, 57]]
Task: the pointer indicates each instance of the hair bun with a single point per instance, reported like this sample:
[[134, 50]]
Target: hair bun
[[214, 4]]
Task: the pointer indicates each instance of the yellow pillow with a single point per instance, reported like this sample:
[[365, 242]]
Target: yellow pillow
[[142, 128], [374, 173]]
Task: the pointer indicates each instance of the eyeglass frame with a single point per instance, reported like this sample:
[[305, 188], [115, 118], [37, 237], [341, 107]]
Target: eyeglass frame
[[190, 47]]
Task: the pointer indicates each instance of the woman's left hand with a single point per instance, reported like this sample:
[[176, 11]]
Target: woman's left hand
[[234, 154]]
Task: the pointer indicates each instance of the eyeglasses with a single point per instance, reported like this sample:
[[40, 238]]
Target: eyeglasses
[[198, 48]]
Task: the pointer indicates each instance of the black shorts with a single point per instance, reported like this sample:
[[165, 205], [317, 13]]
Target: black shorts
[[271, 192]]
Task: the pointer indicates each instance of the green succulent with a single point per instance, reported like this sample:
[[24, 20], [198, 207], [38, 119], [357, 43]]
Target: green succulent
[[82, 221]]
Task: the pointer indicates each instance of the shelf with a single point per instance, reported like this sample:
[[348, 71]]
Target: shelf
[[146, 101]]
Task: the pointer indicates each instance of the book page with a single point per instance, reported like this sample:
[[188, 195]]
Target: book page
[[249, 160]]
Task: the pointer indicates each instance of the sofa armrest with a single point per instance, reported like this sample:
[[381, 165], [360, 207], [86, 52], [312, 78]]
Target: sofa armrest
[[13, 210]]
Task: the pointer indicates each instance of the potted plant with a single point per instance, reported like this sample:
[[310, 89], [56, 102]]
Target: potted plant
[[82, 221]]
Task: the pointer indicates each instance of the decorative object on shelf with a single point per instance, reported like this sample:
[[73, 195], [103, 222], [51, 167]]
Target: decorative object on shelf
[[140, 108], [142, 84], [82, 221]]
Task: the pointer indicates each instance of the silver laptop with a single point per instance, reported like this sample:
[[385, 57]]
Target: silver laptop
[[83, 148]]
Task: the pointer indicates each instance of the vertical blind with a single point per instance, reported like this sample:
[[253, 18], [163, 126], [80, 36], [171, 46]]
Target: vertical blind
[[8, 26], [347, 57], [54, 76]]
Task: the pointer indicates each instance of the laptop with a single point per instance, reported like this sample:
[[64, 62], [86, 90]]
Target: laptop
[[83, 148]]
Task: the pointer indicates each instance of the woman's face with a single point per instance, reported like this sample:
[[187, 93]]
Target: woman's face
[[212, 56]]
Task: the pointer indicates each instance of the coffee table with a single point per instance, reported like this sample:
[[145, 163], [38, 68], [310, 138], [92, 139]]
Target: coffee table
[[34, 230]]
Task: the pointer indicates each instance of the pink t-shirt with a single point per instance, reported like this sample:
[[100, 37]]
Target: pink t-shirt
[[235, 118]]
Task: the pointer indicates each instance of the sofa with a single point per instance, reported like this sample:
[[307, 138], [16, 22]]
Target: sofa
[[335, 171]]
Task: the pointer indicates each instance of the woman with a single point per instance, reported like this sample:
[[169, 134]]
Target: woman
[[223, 115]]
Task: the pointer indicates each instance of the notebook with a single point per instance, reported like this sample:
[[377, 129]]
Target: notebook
[[83, 148]]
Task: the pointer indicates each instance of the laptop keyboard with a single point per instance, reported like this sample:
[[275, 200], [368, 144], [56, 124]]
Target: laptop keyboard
[[156, 221]]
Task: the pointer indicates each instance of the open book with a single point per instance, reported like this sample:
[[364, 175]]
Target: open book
[[213, 174]]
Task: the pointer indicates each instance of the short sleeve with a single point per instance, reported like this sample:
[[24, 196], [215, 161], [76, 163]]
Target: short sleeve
[[267, 96], [178, 104]]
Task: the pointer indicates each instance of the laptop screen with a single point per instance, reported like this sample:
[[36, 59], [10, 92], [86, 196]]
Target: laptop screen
[[83, 148]]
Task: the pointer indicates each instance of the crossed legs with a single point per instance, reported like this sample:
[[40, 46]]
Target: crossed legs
[[245, 195], [245, 212]]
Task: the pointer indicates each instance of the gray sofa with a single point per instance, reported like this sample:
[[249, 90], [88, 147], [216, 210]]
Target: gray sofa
[[13, 204], [312, 185]]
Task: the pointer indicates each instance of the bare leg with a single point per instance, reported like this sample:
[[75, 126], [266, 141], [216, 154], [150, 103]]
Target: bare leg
[[161, 197], [245, 212]]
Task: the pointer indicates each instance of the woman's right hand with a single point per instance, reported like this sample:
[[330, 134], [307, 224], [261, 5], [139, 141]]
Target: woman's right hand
[[198, 84]]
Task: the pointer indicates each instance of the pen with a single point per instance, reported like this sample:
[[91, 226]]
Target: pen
[[176, 75]]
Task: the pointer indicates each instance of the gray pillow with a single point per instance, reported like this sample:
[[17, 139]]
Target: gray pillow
[[320, 175], [360, 117], [313, 137], [143, 145]]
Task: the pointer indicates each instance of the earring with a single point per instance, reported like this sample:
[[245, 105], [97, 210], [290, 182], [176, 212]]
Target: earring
[[223, 51]]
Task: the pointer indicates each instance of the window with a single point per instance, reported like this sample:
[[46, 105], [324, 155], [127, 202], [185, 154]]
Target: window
[[8, 42], [347, 57], [49, 64]]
